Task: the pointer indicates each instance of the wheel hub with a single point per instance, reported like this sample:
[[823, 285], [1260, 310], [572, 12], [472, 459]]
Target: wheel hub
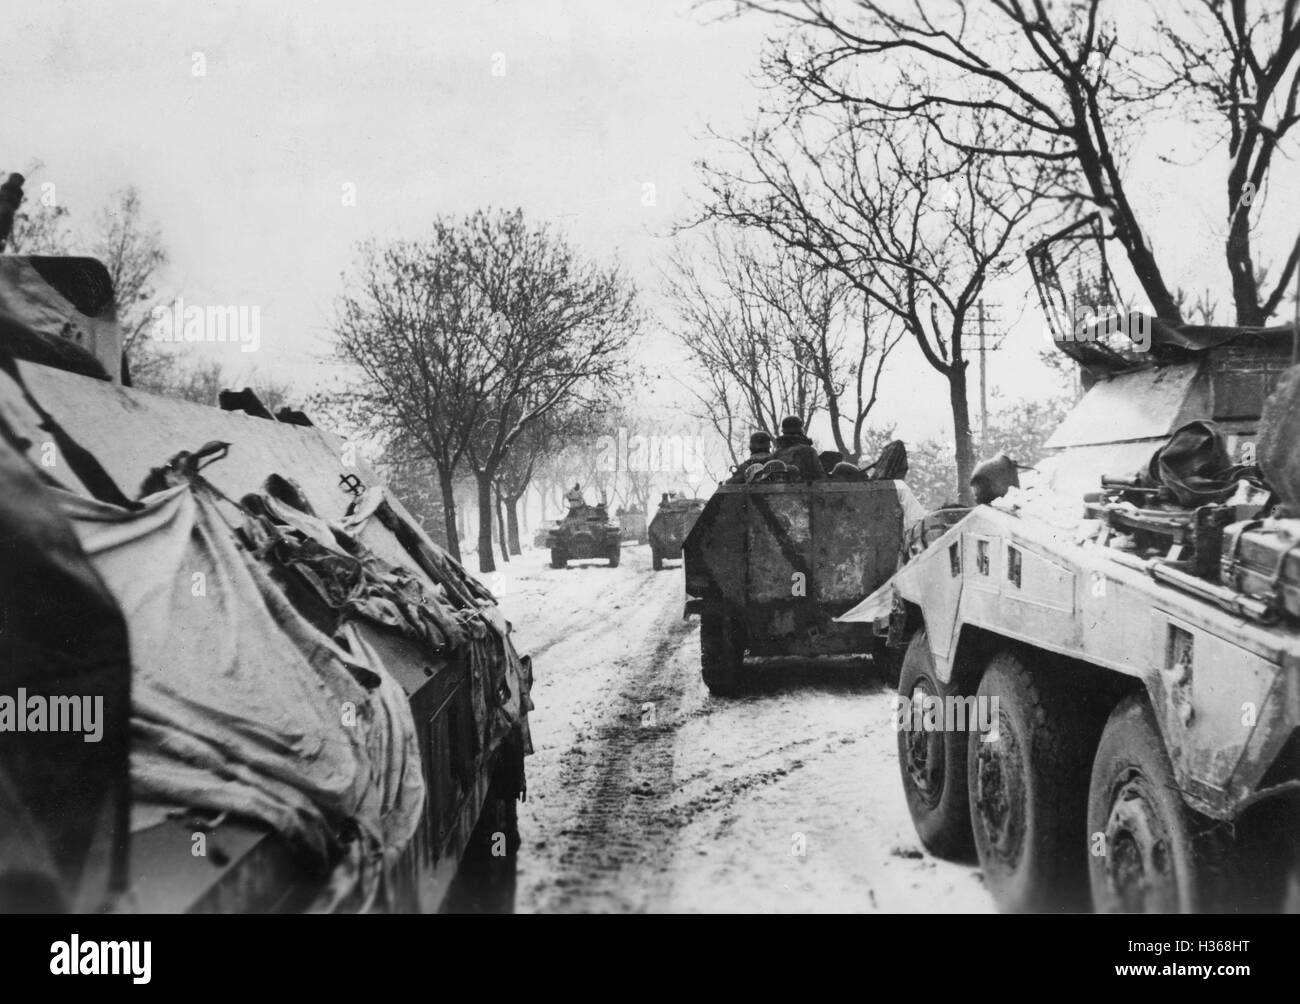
[[924, 750], [999, 796], [1139, 863]]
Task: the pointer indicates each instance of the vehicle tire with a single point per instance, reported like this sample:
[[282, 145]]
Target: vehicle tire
[[933, 764], [615, 554], [1028, 789], [1160, 856], [558, 558], [722, 653], [656, 560]]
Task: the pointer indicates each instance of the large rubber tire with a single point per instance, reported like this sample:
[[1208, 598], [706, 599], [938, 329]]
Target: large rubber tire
[[1159, 855], [933, 764], [722, 654], [558, 558], [615, 554], [656, 560], [486, 880], [1029, 788]]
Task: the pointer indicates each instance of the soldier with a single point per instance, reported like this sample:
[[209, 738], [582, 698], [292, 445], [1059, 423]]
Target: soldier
[[574, 497], [760, 452], [796, 450]]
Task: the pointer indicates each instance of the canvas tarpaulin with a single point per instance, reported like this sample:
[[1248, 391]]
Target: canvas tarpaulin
[[63, 799], [501, 681], [239, 703], [1193, 467]]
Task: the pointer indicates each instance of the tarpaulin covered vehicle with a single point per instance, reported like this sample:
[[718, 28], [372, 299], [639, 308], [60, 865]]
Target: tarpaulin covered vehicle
[[297, 699], [769, 566]]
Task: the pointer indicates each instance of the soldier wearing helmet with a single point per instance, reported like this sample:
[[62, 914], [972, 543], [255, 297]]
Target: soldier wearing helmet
[[760, 452], [795, 450]]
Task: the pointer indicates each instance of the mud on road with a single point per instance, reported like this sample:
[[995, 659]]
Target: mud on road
[[646, 794]]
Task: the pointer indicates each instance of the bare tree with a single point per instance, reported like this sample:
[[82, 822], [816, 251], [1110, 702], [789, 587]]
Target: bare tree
[[555, 334], [843, 339], [742, 310], [773, 332], [408, 322], [41, 223], [133, 253], [1235, 67], [1054, 79], [469, 338], [915, 226]]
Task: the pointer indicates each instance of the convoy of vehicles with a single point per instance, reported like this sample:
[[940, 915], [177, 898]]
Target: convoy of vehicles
[[1126, 686]]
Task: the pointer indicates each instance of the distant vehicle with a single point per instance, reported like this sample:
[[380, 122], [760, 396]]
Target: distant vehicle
[[769, 566], [541, 538], [671, 524], [633, 522], [586, 532]]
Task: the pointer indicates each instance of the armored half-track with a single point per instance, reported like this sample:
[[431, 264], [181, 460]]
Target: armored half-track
[[770, 566], [668, 530]]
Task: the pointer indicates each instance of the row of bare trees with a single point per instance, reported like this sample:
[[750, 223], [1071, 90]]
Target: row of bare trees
[[908, 152], [481, 346], [773, 334]]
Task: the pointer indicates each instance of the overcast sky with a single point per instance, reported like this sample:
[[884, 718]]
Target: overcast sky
[[245, 166]]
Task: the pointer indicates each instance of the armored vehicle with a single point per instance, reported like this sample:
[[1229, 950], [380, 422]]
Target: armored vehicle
[[770, 565], [585, 532], [632, 520], [290, 697], [671, 524], [542, 537], [1139, 667]]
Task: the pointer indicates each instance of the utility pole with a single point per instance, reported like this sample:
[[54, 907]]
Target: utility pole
[[983, 318]]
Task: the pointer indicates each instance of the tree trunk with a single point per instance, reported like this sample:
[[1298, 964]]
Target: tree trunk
[[449, 512], [1143, 260], [512, 525], [965, 444], [486, 563], [501, 529], [1108, 192], [1241, 266]]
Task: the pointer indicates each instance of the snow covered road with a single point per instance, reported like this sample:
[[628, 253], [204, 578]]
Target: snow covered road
[[646, 794]]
